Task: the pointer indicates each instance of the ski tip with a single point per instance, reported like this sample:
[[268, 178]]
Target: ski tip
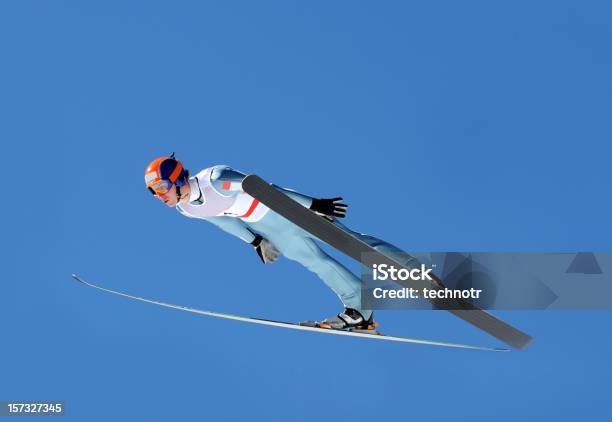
[[77, 278], [251, 179]]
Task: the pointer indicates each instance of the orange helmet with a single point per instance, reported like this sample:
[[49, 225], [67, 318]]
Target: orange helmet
[[164, 172]]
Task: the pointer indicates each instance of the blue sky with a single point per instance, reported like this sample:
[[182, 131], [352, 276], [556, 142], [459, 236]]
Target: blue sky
[[446, 126]]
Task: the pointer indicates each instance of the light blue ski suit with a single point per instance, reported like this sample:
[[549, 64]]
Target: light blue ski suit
[[291, 240]]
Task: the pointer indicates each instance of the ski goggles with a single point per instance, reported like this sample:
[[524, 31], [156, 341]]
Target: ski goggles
[[160, 187]]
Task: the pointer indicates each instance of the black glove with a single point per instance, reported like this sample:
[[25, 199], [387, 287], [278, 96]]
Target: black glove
[[329, 208], [265, 249]]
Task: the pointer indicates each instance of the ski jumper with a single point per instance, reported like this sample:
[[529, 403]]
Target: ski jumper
[[217, 196]]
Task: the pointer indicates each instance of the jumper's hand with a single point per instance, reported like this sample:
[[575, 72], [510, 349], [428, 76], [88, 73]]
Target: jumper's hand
[[329, 208], [265, 249]]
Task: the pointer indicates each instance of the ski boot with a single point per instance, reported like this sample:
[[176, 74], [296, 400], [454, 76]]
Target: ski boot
[[350, 319]]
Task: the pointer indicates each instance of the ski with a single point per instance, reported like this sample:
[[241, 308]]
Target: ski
[[289, 325], [367, 255]]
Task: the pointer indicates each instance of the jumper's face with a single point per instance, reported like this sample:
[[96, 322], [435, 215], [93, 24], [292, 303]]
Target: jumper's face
[[169, 198]]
